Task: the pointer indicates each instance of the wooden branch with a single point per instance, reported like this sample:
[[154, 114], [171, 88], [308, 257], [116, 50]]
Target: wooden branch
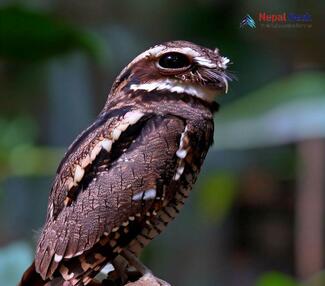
[[139, 274], [148, 280]]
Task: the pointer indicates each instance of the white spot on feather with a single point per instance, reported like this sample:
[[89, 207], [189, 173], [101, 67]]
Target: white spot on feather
[[79, 173], [107, 269], [95, 151], [177, 176], [137, 196], [133, 116], [68, 256], [107, 145], [123, 126], [150, 194], [147, 195], [179, 172], [64, 271], [70, 276], [181, 153], [57, 258], [116, 133], [79, 253], [86, 161], [51, 207]]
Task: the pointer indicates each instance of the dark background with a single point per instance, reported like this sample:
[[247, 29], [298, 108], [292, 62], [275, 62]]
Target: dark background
[[255, 216]]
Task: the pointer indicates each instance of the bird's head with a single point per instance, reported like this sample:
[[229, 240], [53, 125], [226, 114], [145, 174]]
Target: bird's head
[[176, 67]]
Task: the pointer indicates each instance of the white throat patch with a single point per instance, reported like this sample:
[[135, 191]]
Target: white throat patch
[[178, 87]]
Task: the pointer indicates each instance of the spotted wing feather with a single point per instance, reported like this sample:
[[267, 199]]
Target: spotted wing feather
[[79, 149], [105, 202]]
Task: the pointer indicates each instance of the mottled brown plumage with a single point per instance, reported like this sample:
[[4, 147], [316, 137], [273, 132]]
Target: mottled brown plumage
[[127, 175]]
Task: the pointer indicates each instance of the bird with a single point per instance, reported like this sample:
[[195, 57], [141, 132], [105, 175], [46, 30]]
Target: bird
[[127, 175]]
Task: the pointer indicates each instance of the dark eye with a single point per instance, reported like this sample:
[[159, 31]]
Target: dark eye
[[174, 61]]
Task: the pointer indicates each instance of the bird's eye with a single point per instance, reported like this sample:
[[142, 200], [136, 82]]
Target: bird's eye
[[174, 60]]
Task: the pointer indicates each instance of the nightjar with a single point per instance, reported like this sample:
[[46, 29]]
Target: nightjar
[[128, 174]]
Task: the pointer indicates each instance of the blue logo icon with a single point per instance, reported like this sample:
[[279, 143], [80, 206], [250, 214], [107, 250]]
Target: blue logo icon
[[248, 21]]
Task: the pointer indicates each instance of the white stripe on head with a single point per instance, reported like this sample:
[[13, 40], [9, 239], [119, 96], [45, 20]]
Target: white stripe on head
[[185, 50], [178, 87], [224, 62], [149, 53], [205, 62]]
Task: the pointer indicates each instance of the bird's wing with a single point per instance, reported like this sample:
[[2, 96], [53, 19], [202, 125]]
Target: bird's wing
[[121, 189], [82, 155]]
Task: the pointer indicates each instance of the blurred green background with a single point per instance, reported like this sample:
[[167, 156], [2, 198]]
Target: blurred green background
[[256, 215]]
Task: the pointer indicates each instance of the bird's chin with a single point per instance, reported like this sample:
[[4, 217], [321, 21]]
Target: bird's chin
[[216, 89], [215, 81], [209, 94]]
